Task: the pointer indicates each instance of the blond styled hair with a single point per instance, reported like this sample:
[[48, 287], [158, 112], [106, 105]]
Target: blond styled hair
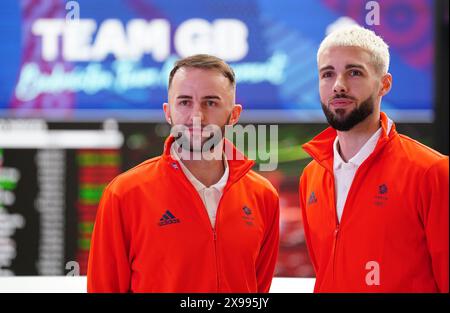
[[357, 36]]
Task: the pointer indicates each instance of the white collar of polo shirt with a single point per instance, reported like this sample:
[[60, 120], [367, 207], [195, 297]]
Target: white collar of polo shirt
[[219, 186], [362, 154]]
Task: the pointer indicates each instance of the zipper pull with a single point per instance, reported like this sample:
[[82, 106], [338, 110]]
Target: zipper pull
[[336, 231]]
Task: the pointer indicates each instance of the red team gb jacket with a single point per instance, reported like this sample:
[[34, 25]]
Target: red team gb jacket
[[395, 219], [153, 234]]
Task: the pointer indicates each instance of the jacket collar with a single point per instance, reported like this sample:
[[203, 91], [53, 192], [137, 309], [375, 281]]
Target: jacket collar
[[238, 163], [320, 148]]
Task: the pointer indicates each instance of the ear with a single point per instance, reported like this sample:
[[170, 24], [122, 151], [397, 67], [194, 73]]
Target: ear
[[386, 84], [166, 108], [235, 114]]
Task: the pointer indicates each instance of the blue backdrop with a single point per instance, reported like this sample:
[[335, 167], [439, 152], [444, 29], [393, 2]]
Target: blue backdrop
[[114, 61]]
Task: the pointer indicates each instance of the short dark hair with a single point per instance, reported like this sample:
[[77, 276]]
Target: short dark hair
[[204, 61]]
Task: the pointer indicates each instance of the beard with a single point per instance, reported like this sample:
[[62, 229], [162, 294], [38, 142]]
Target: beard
[[206, 140], [341, 122]]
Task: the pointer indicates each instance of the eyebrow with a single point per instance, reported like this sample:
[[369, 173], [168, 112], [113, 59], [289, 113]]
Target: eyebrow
[[212, 97], [348, 66], [325, 68], [205, 97], [184, 97]]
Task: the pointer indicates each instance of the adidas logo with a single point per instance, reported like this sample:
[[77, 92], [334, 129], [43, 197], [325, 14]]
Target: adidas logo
[[312, 198], [168, 218]]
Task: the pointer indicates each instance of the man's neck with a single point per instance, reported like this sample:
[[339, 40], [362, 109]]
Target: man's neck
[[350, 142], [208, 172]]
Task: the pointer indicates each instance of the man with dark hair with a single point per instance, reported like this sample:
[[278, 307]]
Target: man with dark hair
[[186, 221]]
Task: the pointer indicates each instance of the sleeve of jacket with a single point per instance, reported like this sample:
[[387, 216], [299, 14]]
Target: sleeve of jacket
[[435, 214], [302, 194], [265, 264], [108, 267]]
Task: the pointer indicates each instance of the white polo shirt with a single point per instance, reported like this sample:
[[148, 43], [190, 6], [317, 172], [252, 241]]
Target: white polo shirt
[[344, 172], [209, 195]]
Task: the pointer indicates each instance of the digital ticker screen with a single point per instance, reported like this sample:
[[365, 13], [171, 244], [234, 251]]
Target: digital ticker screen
[[52, 176], [49, 193]]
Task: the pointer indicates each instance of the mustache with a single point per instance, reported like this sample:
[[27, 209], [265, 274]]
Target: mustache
[[178, 131], [192, 126], [342, 96]]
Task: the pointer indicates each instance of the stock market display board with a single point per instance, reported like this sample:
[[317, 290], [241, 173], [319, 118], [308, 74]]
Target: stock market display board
[[50, 185]]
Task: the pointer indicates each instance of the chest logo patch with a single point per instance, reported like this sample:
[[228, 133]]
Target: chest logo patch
[[381, 197], [248, 217], [167, 219]]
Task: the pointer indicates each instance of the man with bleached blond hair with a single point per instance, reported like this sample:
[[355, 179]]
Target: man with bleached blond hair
[[374, 203]]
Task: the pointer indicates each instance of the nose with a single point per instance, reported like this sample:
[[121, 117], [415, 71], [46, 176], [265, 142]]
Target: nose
[[340, 85], [196, 113]]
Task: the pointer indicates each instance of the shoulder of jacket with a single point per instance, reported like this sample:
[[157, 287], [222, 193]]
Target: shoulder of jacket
[[260, 183], [134, 176], [419, 154], [312, 166]]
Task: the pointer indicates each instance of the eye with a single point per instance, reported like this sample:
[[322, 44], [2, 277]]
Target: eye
[[184, 102], [327, 74], [356, 73], [210, 103]]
